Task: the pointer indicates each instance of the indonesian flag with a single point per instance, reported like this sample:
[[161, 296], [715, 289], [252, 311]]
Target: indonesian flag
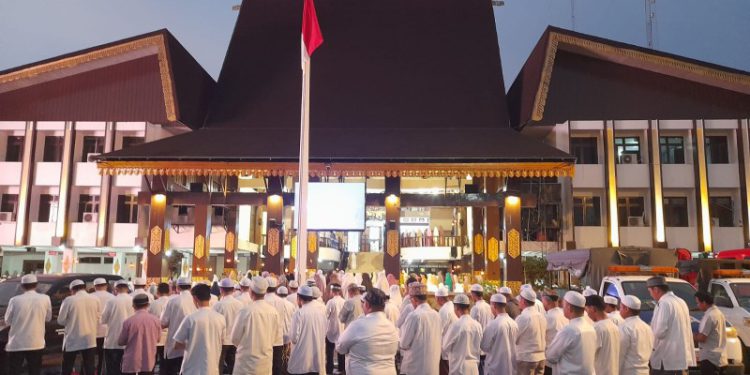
[[312, 38]]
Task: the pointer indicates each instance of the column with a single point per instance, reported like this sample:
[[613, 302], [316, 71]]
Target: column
[[492, 233], [513, 271], [312, 252], [478, 243], [274, 249], [66, 174], [613, 225], [105, 190], [158, 224], [201, 239], [701, 184], [743, 137], [230, 241], [657, 196], [24, 191], [566, 191], [392, 256]]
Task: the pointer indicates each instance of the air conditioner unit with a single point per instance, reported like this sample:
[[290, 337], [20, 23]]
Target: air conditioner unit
[[629, 159], [6, 216], [90, 217], [90, 157], [715, 222], [635, 221]]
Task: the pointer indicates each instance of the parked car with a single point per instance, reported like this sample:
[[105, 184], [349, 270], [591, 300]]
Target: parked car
[[56, 287]]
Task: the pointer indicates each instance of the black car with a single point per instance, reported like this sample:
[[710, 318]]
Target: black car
[[56, 287]]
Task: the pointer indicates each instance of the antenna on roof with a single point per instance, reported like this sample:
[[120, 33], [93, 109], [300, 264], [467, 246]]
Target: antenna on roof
[[498, 3], [236, 7], [650, 17]]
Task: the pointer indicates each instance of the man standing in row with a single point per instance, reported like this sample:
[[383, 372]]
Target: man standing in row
[[79, 314], [447, 316], [573, 349], [334, 327], [178, 307], [612, 310], [636, 339], [139, 285], [229, 307], [26, 315], [711, 336], [531, 336], [308, 336], [258, 325], [116, 311], [499, 340], [139, 335], [673, 344], [461, 343], [156, 308], [606, 359], [101, 293], [512, 307], [352, 308], [292, 296], [201, 335], [420, 335], [555, 318]]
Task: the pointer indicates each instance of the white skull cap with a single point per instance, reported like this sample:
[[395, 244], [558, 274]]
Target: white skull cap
[[442, 292], [461, 299], [477, 288], [259, 285], [293, 284], [283, 291], [139, 281], [97, 281], [632, 302], [306, 291], [505, 290], [76, 283], [272, 282], [226, 283], [589, 292], [528, 294], [498, 298], [184, 281], [576, 299], [610, 300], [30, 279], [245, 282]]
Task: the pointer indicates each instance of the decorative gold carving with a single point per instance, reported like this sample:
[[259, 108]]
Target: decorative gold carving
[[515, 286], [392, 242], [47, 266], [312, 243], [199, 248], [273, 241], [293, 247], [154, 245], [229, 242], [116, 266], [514, 243], [493, 249], [478, 244]]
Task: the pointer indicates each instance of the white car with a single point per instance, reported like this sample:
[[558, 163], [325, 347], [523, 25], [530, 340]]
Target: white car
[[732, 297]]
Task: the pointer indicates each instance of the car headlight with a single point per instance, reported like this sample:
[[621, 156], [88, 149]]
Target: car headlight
[[731, 332]]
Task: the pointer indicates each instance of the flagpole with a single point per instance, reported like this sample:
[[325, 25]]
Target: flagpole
[[304, 141]]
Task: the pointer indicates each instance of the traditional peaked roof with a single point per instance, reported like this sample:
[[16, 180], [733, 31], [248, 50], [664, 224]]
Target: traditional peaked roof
[[395, 81], [574, 76], [149, 77]]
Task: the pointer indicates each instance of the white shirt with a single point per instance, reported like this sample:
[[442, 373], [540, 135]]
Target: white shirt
[[79, 314], [245, 298], [556, 321], [116, 311], [257, 326], [308, 334], [447, 314], [616, 317], [103, 296], [636, 344], [202, 332], [713, 325], [482, 313], [26, 315], [673, 337], [334, 327], [573, 349], [391, 312], [461, 346], [406, 309], [539, 306], [370, 344], [499, 342], [288, 310], [229, 307], [351, 310], [178, 307], [420, 341], [530, 340], [292, 297], [142, 291], [286, 319], [156, 308], [607, 357]]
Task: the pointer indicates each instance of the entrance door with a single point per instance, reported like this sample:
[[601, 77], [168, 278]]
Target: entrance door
[[30, 266]]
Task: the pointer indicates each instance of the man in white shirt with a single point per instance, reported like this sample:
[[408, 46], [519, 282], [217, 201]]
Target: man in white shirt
[[139, 285], [573, 349], [371, 342], [157, 308], [292, 297], [499, 340], [278, 345], [420, 335], [711, 336], [101, 293], [636, 339], [26, 315], [481, 312], [79, 314], [607, 355], [555, 318], [178, 307], [352, 308], [334, 327], [447, 316], [461, 343], [531, 336], [673, 344], [257, 327], [511, 307], [115, 312], [308, 336], [244, 295], [201, 335], [612, 308], [589, 291], [229, 307], [391, 311]]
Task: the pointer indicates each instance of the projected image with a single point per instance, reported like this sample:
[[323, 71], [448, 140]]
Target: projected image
[[335, 206]]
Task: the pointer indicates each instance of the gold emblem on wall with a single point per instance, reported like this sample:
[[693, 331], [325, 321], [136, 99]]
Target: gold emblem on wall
[[155, 244], [392, 242], [199, 250], [515, 286], [116, 266], [493, 249], [229, 242], [514, 243], [47, 266], [273, 241], [312, 243], [478, 244]]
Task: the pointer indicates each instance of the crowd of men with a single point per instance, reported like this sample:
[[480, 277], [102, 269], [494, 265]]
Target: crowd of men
[[259, 326]]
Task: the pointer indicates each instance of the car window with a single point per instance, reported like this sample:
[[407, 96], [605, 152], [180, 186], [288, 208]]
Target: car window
[[684, 291], [718, 290], [610, 290], [10, 289], [742, 293]]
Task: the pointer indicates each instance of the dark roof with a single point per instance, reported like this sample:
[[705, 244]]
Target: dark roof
[[149, 77], [574, 76]]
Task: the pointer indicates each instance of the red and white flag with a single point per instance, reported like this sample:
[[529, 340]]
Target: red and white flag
[[312, 38]]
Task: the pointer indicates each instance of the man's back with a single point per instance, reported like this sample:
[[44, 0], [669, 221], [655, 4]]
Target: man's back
[[26, 315], [636, 345], [307, 335], [202, 333], [116, 311], [370, 344], [673, 349], [608, 347], [79, 314], [420, 341], [573, 350], [556, 321], [461, 346], [139, 335], [254, 333], [103, 296], [229, 307], [352, 310], [334, 327], [499, 342], [482, 313], [178, 307], [531, 336]]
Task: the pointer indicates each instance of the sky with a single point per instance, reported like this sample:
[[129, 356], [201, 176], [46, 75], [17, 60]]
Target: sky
[[716, 31]]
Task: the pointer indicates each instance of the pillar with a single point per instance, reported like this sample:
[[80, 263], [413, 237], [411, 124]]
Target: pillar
[[201, 240], [513, 271], [392, 256], [231, 223], [478, 242], [743, 137], [701, 184], [492, 233], [105, 190], [158, 224], [274, 249], [66, 174], [24, 191], [613, 225], [657, 196]]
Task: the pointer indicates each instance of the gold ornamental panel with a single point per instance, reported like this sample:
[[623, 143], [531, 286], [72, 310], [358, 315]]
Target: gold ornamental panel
[[199, 250], [392, 243], [229, 242], [116, 266], [493, 249], [515, 286], [312, 243], [155, 244], [514, 243], [478, 244], [273, 241]]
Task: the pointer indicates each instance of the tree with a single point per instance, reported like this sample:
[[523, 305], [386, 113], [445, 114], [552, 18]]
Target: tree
[[535, 271]]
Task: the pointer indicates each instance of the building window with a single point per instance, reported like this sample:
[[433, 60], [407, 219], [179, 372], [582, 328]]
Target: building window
[[47, 208], [675, 212], [9, 203], [672, 150], [628, 150], [587, 212], [132, 141], [717, 149], [127, 209], [53, 148], [722, 214], [91, 145], [630, 211], [14, 150], [87, 204], [585, 150]]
